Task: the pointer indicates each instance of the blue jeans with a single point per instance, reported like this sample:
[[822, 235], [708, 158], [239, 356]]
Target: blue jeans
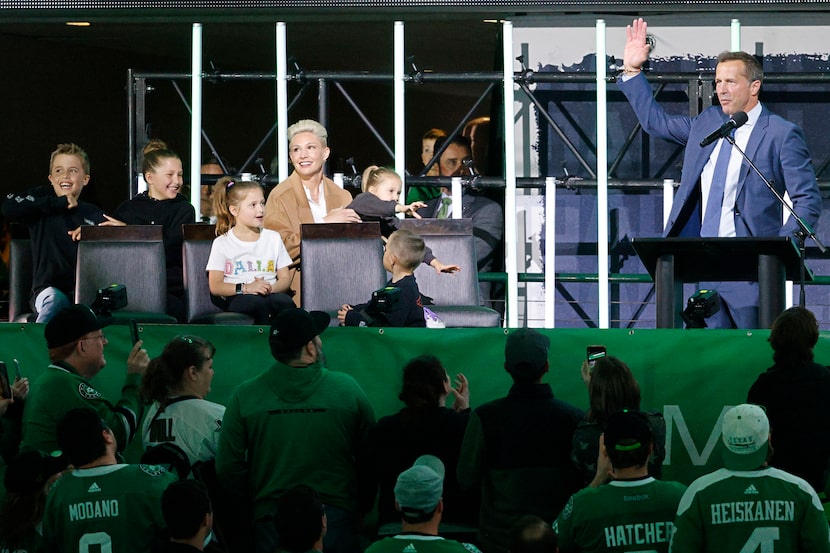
[[342, 533], [48, 302]]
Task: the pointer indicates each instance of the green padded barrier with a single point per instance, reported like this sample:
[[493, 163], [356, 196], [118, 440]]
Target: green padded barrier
[[690, 375]]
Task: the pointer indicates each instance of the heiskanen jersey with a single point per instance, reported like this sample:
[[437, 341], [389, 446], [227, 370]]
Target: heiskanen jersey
[[107, 509], [621, 516], [760, 511], [420, 543]]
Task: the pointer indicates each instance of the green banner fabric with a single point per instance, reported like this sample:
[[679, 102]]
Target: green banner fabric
[[692, 376]]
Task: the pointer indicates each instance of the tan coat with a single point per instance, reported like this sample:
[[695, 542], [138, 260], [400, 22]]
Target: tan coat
[[287, 208]]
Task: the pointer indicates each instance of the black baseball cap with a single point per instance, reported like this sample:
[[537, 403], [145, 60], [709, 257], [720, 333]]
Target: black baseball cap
[[627, 430], [293, 328], [70, 323]]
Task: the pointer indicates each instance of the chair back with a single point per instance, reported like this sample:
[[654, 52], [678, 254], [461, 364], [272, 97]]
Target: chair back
[[198, 239], [20, 274], [451, 241], [456, 297], [132, 255], [341, 263]]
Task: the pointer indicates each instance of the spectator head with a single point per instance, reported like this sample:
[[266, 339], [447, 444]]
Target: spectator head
[[746, 437], [419, 489], [451, 162], [187, 511], [69, 170], [228, 194], [526, 355], [425, 382], [407, 249], [428, 148], [300, 520], [74, 331], [793, 335], [292, 330], [83, 436], [612, 387], [531, 534], [185, 367], [308, 125], [27, 480], [29, 471], [627, 439]]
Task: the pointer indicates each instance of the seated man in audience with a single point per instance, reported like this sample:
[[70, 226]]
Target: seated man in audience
[[794, 392], [518, 448], [76, 341], [533, 535], [633, 511], [748, 505], [102, 505], [418, 497], [188, 516], [54, 215], [301, 521], [488, 220]]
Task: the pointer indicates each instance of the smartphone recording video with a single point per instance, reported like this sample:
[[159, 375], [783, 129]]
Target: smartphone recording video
[[594, 353]]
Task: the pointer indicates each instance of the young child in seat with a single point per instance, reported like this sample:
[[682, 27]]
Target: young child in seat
[[248, 265], [399, 303]]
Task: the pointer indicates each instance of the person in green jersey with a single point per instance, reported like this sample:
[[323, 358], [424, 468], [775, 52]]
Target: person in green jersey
[[76, 343], [102, 505], [626, 510], [418, 498], [748, 506]]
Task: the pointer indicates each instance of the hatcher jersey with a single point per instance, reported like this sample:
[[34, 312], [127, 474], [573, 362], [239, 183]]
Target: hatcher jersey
[[107, 509], [762, 511], [621, 516]]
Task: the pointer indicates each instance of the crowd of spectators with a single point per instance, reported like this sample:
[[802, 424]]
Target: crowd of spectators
[[297, 461]]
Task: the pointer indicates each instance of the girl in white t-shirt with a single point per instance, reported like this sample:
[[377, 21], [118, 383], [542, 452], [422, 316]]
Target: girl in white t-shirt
[[248, 265]]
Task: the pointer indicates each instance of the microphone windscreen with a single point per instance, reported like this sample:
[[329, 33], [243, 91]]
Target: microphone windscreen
[[740, 118]]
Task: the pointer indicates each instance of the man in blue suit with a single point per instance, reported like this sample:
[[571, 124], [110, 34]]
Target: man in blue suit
[[747, 207]]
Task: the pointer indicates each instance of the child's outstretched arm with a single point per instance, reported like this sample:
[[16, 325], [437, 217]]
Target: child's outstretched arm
[[441, 268], [410, 209]]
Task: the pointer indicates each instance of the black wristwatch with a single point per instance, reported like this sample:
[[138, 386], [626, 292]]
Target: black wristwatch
[[239, 288]]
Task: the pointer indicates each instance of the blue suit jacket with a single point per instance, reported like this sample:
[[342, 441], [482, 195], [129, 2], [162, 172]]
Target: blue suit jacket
[[776, 146]]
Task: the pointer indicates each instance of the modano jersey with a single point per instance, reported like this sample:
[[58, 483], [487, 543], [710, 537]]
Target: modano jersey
[[106, 509], [621, 516], [760, 511]]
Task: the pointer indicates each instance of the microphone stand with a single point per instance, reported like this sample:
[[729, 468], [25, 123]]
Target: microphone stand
[[801, 235]]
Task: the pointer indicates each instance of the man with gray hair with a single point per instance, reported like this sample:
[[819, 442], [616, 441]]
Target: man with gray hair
[[518, 448], [419, 498], [748, 505]]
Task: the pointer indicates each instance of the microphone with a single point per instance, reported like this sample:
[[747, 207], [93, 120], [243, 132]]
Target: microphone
[[736, 121]]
